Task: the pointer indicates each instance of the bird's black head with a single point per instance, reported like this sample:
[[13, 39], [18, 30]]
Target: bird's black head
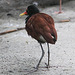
[[31, 10]]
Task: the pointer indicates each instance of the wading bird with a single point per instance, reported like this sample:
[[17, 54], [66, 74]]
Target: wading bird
[[40, 26], [60, 8]]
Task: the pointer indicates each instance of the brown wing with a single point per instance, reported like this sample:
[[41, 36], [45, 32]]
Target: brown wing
[[30, 28], [42, 24], [48, 18]]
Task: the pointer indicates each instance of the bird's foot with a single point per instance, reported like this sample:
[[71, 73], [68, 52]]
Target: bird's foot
[[47, 65], [36, 68], [59, 12]]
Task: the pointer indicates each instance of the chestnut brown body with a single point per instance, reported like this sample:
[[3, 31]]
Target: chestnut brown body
[[42, 25]]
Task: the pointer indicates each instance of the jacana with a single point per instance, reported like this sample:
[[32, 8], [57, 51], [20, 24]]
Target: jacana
[[40, 26]]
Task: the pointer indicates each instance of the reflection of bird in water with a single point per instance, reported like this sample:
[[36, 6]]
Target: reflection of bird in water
[[40, 26]]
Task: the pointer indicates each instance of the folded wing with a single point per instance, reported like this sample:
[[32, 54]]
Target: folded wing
[[42, 25]]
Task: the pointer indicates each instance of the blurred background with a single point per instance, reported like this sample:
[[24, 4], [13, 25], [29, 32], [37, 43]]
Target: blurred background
[[14, 7]]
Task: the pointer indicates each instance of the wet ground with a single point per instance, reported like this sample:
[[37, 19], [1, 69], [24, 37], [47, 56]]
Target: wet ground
[[19, 53]]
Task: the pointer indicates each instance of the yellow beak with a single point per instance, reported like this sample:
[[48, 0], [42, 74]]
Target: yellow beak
[[22, 14]]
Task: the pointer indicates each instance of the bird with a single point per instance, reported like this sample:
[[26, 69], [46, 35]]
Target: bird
[[60, 8], [40, 26]]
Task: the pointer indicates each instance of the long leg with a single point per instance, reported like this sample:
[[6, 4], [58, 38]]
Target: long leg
[[41, 56], [48, 56], [60, 9]]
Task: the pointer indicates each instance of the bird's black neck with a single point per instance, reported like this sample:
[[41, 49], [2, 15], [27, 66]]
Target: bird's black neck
[[27, 19]]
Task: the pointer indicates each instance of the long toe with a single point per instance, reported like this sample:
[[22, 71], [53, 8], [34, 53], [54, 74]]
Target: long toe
[[47, 66], [36, 68]]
